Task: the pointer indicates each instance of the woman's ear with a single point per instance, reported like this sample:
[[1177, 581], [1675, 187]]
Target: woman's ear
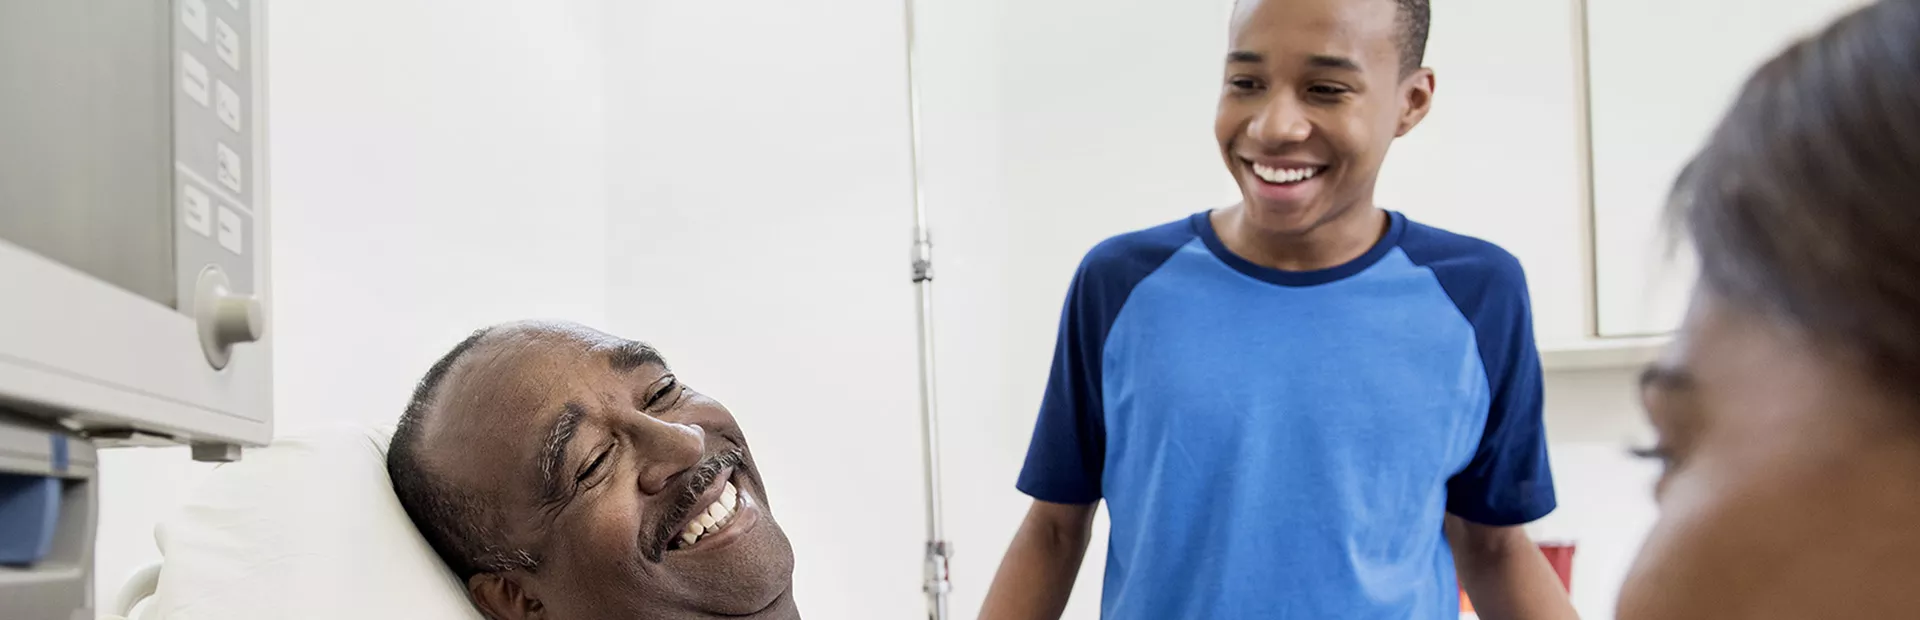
[[502, 598]]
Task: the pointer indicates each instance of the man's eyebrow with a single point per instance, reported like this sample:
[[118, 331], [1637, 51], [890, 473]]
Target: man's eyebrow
[[630, 355], [553, 455], [1242, 56], [1665, 378], [1340, 63]]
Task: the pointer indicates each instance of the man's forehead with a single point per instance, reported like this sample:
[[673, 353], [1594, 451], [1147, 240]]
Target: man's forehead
[[558, 332], [510, 386], [512, 370]]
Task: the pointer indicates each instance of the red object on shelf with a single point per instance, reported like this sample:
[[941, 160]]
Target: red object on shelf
[[1559, 555]]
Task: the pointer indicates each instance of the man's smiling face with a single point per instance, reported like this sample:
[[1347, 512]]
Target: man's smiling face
[[618, 491]]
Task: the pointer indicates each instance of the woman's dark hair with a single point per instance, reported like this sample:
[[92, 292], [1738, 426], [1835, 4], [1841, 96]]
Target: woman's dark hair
[[1805, 203]]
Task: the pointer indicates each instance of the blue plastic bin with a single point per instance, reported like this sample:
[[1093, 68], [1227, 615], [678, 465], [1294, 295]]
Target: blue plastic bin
[[29, 512]]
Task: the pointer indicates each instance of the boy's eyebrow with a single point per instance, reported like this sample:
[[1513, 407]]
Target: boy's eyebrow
[[1341, 63], [1317, 61]]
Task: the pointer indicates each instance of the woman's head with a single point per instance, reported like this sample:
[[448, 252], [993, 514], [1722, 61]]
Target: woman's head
[[1789, 407]]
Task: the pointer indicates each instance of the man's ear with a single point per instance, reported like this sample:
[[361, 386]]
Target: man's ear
[[1417, 93], [502, 598]]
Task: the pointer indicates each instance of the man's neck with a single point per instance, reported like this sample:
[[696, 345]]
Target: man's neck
[[1326, 245]]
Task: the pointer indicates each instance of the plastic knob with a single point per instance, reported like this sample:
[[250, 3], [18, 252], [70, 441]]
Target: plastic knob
[[225, 318], [238, 319]]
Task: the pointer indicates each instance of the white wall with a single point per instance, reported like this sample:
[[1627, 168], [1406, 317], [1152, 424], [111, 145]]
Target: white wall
[[759, 235], [435, 169], [1641, 140], [1498, 157]]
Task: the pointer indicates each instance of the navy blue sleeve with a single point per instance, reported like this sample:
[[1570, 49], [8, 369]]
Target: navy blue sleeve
[[1509, 480], [1069, 448]]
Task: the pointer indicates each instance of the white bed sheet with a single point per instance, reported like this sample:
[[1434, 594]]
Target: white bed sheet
[[306, 529]]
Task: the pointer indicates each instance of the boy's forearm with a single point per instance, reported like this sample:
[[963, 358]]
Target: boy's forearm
[[1506, 575], [1036, 577], [1033, 583]]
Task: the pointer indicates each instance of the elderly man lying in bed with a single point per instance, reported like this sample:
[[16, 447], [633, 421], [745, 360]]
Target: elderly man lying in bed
[[567, 474]]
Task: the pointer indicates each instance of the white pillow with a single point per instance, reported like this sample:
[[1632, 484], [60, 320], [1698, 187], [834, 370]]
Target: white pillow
[[305, 529]]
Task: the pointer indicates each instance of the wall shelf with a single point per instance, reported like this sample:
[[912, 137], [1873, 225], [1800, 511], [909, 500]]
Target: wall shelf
[[1601, 353]]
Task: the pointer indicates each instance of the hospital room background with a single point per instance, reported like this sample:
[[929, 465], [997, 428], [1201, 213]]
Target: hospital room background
[[731, 181]]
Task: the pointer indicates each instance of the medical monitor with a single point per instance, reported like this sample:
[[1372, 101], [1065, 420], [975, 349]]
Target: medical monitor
[[133, 221]]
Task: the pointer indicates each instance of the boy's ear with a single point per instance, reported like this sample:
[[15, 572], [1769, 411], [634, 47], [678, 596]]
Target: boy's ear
[[1416, 98], [502, 598]]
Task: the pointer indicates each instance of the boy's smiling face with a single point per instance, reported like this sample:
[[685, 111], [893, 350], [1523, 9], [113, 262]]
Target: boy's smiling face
[[1313, 94]]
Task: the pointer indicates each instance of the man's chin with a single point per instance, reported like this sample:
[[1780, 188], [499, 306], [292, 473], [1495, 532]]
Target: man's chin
[[751, 577], [781, 607]]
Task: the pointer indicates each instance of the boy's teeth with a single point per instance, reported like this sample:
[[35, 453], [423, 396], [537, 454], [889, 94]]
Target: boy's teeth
[[1284, 175]]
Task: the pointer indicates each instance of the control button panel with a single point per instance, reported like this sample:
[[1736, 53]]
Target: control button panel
[[230, 168], [226, 43], [233, 236], [213, 143], [193, 78], [193, 15], [197, 209], [227, 105]]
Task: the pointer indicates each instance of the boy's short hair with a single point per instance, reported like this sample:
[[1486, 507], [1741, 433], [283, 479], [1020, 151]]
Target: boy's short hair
[[1415, 19]]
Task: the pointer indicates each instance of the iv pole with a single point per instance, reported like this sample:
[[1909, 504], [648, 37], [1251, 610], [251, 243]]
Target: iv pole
[[936, 584]]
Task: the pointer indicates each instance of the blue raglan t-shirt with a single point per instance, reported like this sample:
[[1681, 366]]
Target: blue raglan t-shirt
[[1276, 444]]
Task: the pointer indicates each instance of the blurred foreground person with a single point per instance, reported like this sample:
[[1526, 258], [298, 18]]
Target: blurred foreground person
[[1788, 409]]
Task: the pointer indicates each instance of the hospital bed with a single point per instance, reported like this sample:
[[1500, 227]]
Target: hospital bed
[[305, 529]]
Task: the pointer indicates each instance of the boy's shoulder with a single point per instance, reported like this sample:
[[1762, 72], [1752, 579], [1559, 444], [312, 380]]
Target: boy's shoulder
[[1133, 255], [1126, 258], [1454, 255]]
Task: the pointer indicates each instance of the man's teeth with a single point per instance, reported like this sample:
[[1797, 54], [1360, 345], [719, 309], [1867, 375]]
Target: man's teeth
[[716, 517], [1284, 175]]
